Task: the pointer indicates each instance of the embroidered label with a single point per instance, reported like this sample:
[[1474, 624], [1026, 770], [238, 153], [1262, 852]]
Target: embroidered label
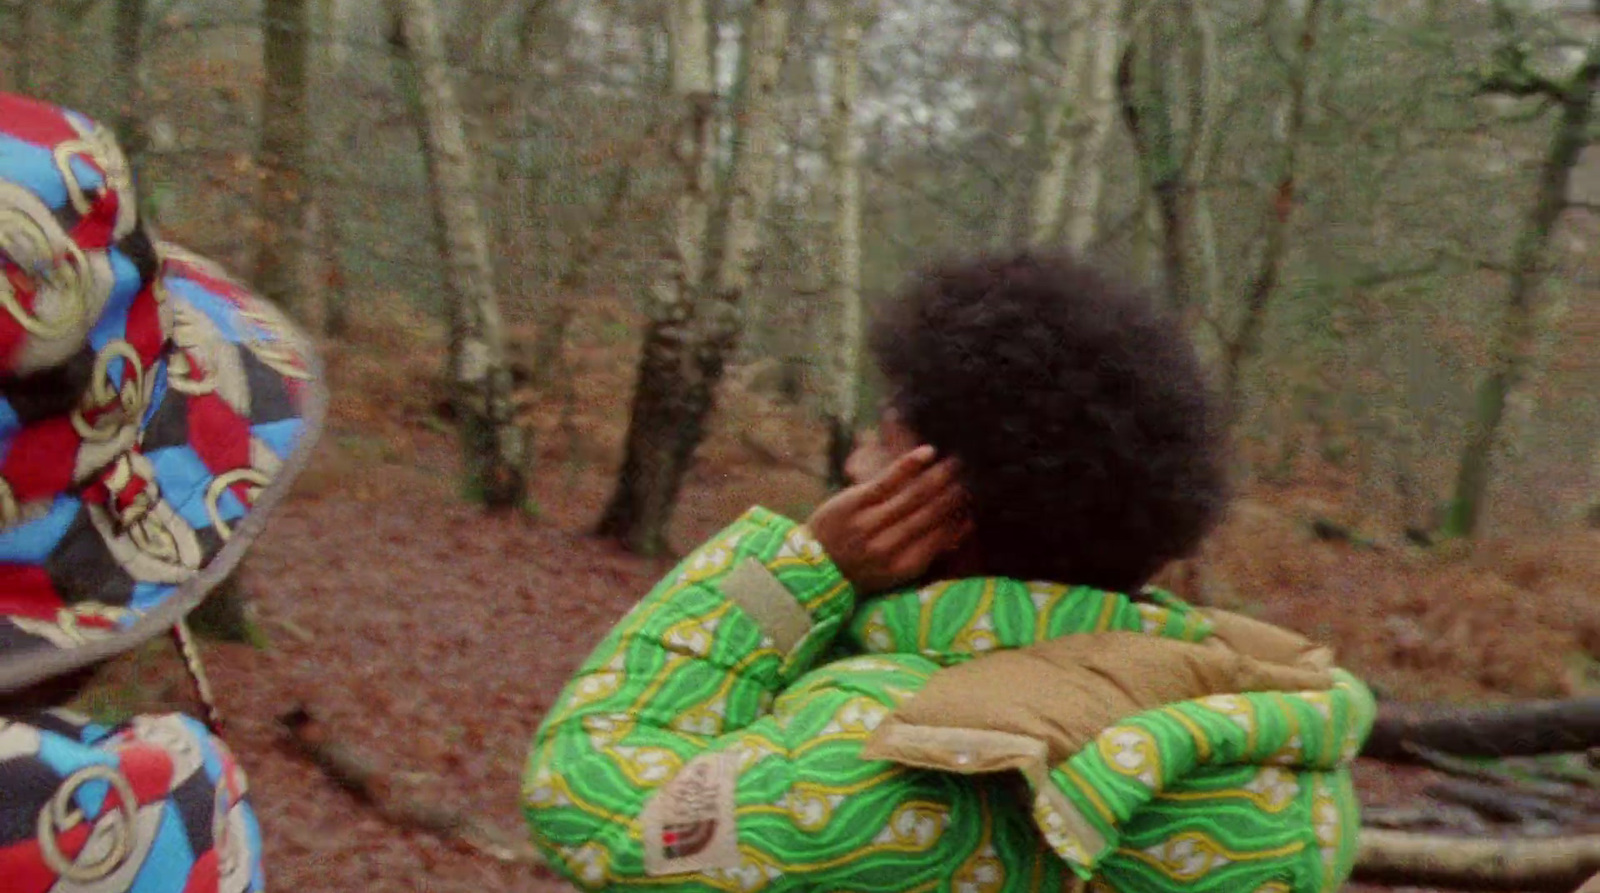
[[689, 824]]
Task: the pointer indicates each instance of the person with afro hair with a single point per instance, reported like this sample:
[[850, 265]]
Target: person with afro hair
[[1090, 445], [954, 675]]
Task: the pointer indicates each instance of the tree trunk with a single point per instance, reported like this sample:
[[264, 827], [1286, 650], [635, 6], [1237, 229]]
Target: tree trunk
[[1397, 858], [285, 190], [495, 447], [695, 323], [1067, 201], [1512, 731], [1513, 343], [1144, 87], [333, 125], [128, 80], [1279, 210], [1207, 104], [845, 263]]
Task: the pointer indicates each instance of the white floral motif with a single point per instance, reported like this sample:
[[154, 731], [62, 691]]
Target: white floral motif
[[707, 719], [749, 876], [801, 544], [858, 716], [1274, 787], [1291, 754], [1326, 819], [1063, 842], [983, 874], [1132, 752], [691, 637], [811, 809], [606, 729], [1042, 597], [594, 687], [1234, 707], [979, 636], [588, 862], [1187, 856], [915, 826], [1152, 618], [541, 791], [650, 766]]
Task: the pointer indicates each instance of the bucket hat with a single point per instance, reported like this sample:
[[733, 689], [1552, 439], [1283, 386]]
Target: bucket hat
[[152, 408]]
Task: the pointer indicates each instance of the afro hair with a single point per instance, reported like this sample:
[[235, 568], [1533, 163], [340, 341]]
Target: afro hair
[[1090, 440]]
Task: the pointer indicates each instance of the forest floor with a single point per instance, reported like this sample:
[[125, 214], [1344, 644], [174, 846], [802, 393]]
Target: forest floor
[[433, 639]]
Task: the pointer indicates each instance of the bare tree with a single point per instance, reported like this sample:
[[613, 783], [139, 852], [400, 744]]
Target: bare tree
[[1514, 341], [694, 325], [1172, 58], [845, 260], [1067, 200], [496, 447], [1280, 205], [285, 192]]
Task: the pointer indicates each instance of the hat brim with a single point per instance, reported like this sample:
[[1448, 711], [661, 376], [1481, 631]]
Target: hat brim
[[232, 417]]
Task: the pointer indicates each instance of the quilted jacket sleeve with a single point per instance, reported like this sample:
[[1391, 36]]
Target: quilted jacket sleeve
[[694, 751], [156, 803]]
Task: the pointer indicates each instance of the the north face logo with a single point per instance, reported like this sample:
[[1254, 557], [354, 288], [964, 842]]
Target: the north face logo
[[689, 823], [680, 841]]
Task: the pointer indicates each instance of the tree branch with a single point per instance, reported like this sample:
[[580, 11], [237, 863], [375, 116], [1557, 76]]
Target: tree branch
[[348, 769], [1398, 858], [1530, 729]]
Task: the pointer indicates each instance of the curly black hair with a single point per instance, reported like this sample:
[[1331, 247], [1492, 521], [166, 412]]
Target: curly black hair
[[1090, 439]]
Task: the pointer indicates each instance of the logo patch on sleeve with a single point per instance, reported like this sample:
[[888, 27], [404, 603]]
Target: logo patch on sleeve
[[689, 824]]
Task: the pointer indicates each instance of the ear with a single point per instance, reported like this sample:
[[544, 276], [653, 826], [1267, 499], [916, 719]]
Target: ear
[[960, 553], [895, 435]]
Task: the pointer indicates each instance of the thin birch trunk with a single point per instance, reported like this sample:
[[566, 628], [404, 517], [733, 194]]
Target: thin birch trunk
[[496, 447], [1280, 205], [285, 191], [845, 263], [1067, 203], [695, 325]]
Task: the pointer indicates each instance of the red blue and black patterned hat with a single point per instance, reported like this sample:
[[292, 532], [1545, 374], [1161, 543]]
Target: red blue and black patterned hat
[[152, 409]]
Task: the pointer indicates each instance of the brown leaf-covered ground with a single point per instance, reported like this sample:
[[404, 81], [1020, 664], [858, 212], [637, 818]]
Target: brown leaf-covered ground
[[433, 638]]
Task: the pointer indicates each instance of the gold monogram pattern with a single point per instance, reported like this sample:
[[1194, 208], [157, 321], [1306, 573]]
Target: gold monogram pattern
[[69, 286], [111, 842], [254, 480], [148, 538], [97, 145], [270, 335], [117, 408]]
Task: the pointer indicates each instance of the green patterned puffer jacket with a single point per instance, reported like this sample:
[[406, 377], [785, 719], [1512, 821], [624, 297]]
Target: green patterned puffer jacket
[[706, 745]]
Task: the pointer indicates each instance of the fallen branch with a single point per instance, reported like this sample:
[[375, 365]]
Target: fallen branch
[[1583, 776], [376, 788], [1532, 729], [1429, 817], [1459, 767], [1334, 532], [1502, 805], [1396, 858]]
